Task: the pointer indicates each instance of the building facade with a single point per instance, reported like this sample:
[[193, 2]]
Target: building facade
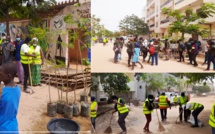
[[159, 23]]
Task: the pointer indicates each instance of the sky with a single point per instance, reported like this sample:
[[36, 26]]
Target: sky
[[112, 11]]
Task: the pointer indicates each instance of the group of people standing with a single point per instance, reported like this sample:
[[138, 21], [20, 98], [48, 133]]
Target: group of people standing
[[28, 56], [139, 46]]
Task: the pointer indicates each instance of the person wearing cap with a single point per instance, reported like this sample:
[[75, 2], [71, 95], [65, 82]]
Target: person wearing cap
[[163, 103], [130, 48], [26, 59], [123, 112], [36, 62], [148, 107], [136, 54], [7, 51], [183, 99], [196, 108], [212, 119], [20, 72], [93, 111]]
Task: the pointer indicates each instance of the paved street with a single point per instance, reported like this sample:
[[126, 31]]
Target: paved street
[[102, 61]]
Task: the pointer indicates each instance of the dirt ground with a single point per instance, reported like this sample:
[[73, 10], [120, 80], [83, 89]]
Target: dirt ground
[[136, 120], [33, 108]]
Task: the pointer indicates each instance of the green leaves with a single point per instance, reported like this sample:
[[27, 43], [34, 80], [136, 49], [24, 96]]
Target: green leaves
[[133, 25]]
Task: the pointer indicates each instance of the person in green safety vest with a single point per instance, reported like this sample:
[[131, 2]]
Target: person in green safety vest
[[37, 62], [148, 107], [212, 119], [93, 111], [123, 111], [183, 99], [175, 100], [196, 108]]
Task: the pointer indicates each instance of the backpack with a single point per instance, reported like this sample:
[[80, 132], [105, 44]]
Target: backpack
[[152, 50]]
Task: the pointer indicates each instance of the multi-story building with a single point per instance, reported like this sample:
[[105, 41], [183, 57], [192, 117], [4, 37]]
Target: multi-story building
[[159, 23]]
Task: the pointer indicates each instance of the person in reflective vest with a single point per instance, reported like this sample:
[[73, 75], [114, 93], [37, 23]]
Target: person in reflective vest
[[196, 108], [147, 110], [163, 103], [183, 99], [37, 62], [175, 100], [93, 111], [122, 111], [26, 59], [212, 119]]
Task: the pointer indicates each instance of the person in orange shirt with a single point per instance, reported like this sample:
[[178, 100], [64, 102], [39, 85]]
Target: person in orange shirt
[[163, 103]]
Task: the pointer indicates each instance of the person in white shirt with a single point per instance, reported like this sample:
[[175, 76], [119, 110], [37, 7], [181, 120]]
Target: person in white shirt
[[206, 55], [196, 108]]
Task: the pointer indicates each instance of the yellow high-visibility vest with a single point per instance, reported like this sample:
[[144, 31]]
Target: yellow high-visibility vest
[[92, 107], [38, 59], [212, 117], [162, 101], [175, 99], [26, 59], [121, 109], [195, 106], [183, 100], [145, 109]]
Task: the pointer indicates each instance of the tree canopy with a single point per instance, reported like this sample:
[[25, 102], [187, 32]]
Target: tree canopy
[[23, 9], [183, 22], [133, 25], [112, 82]]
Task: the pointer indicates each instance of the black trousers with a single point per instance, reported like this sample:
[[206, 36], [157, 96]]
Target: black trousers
[[129, 58], [194, 58], [26, 75], [195, 114], [181, 111], [181, 56], [190, 57], [144, 54], [163, 113], [121, 121]]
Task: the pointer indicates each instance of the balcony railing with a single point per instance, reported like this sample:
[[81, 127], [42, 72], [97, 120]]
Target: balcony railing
[[179, 1], [149, 2], [165, 3], [150, 13], [152, 25], [165, 21]]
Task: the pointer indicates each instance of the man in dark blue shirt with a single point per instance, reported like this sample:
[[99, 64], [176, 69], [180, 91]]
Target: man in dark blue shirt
[[20, 72]]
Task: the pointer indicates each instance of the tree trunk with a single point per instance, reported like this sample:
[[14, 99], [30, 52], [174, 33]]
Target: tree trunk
[[7, 22]]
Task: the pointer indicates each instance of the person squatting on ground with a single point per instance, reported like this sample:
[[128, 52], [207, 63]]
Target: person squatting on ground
[[212, 119], [93, 111], [136, 54], [163, 103], [20, 72], [36, 62], [130, 48], [183, 99], [211, 54], [196, 108], [122, 112], [9, 99], [26, 59], [7, 50], [148, 107], [116, 50]]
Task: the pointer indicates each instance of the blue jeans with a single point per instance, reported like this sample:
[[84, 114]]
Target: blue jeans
[[116, 57], [213, 130], [93, 121], [155, 57]]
